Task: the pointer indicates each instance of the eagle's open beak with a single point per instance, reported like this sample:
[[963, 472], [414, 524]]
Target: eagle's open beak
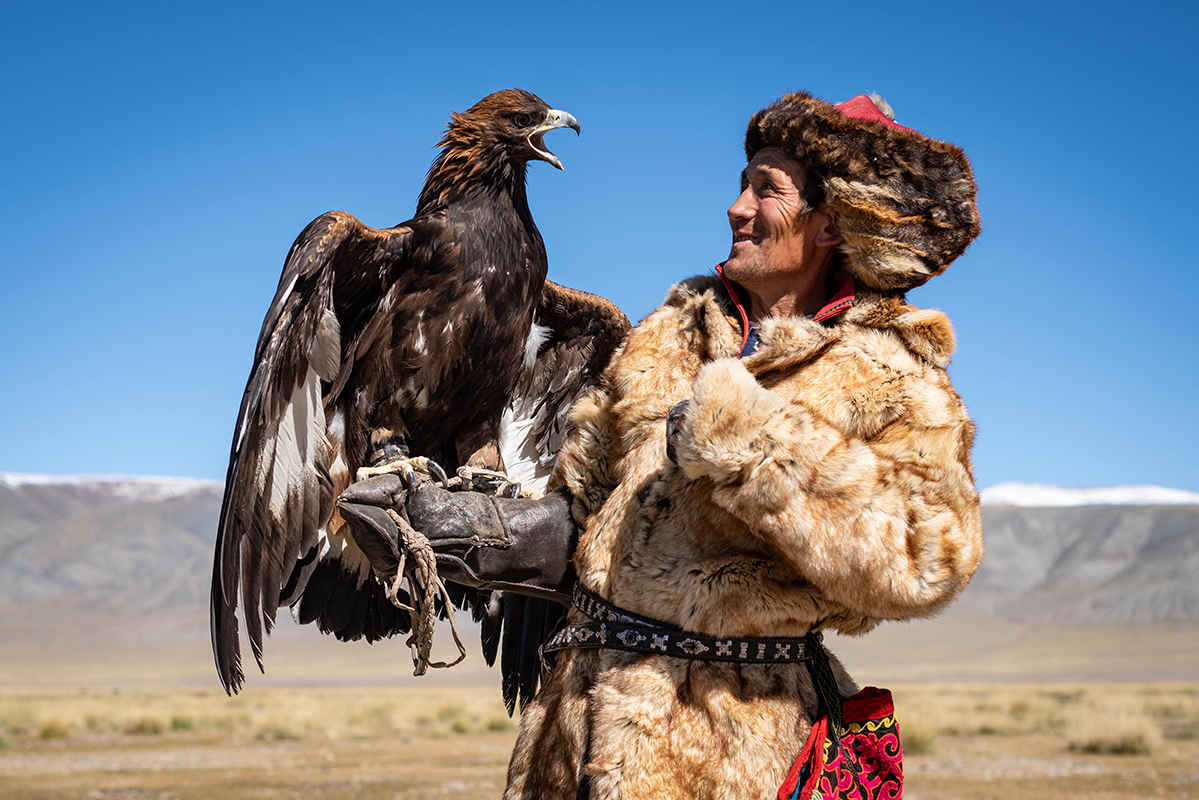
[[553, 119]]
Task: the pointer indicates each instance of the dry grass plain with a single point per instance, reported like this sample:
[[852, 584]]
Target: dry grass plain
[[963, 741], [986, 710], [332, 743]]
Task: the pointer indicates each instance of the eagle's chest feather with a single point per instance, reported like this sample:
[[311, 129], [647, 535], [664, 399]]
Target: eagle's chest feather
[[459, 347]]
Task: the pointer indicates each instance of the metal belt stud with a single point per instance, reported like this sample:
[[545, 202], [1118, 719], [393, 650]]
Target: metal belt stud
[[630, 638]]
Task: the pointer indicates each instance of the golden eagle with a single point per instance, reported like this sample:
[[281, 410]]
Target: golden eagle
[[440, 337]]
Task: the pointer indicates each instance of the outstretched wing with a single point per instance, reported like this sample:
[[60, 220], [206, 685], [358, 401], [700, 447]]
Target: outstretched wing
[[576, 334], [286, 465]]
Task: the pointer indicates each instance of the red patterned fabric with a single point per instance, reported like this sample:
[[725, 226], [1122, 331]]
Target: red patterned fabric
[[864, 763]]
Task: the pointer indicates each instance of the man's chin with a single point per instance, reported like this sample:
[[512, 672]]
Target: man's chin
[[736, 268]]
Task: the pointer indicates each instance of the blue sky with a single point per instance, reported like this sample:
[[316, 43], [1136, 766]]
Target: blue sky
[[160, 158]]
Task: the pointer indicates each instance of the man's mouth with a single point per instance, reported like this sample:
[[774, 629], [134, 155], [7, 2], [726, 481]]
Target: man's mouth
[[743, 237]]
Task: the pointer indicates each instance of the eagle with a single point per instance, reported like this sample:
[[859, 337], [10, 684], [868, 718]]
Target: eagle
[[440, 339]]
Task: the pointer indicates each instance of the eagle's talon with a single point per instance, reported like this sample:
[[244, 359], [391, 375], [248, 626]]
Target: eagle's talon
[[439, 473], [411, 471], [489, 481]]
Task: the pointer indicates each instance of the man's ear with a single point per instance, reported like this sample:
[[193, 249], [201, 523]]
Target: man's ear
[[828, 234]]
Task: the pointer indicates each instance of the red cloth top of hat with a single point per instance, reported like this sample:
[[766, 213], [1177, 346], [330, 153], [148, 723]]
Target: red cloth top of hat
[[862, 107]]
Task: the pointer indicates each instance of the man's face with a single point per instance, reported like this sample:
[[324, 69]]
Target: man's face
[[774, 233]]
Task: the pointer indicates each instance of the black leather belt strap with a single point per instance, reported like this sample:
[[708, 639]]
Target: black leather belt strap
[[616, 629], [601, 610]]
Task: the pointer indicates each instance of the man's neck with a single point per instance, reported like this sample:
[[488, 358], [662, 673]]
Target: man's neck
[[791, 298]]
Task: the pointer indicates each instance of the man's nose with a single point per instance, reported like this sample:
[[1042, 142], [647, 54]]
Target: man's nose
[[741, 209]]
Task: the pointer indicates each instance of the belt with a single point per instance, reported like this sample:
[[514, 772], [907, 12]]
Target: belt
[[614, 628]]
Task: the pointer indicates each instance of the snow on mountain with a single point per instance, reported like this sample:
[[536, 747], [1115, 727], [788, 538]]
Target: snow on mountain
[[137, 488], [1039, 495]]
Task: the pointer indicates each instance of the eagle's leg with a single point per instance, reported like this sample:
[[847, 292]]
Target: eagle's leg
[[390, 455], [483, 471]]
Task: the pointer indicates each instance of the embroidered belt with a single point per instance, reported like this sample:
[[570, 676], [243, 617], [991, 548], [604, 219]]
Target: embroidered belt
[[616, 629]]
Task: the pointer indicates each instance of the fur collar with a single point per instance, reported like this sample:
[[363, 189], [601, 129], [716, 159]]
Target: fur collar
[[704, 304]]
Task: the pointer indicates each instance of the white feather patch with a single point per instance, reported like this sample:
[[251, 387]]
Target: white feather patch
[[518, 446], [537, 336], [339, 470]]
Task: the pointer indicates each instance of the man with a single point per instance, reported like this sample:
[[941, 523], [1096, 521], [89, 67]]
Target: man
[[775, 450]]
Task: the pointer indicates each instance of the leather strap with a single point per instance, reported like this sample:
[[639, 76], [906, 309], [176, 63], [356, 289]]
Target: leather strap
[[616, 629], [596, 607]]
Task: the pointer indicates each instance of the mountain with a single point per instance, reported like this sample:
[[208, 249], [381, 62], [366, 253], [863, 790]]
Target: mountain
[[1119, 555], [135, 544], [1112, 556]]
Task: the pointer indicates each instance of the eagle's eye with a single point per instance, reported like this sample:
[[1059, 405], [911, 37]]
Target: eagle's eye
[[522, 120]]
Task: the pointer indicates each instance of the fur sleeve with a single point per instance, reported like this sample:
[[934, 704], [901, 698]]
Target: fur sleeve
[[585, 460], [884, 520]]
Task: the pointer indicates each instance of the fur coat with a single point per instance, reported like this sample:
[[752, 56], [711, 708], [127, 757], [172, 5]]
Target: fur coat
[[826, 478]]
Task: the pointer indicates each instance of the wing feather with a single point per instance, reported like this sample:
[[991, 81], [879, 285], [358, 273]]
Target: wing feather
[[273, 538], [512, 611], [584, 330]]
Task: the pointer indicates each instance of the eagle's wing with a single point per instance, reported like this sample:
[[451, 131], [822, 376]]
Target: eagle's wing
[[286, 465], [577, 333]]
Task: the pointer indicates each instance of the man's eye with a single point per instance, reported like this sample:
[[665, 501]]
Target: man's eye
[[522, 120]]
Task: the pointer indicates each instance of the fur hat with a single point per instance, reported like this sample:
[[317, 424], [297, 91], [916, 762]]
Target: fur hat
[[906, 202]]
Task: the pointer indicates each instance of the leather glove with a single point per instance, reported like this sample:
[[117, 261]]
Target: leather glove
[[489, 543]]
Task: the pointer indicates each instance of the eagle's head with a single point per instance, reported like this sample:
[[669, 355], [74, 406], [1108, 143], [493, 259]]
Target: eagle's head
[[488, 146], [510, 123]]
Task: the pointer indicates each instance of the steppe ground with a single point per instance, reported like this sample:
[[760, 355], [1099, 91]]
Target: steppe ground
[[985, 710]]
